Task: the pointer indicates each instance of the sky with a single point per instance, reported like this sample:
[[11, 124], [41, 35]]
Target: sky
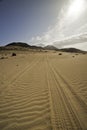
[[62, 23]]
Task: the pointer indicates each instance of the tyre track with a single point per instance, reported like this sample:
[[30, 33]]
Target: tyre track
[[75, 101], [26, 105], [19, 75], [69, 116], [78, 98]]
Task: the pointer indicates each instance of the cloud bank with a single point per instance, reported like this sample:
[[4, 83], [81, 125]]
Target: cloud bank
[[67, 26]]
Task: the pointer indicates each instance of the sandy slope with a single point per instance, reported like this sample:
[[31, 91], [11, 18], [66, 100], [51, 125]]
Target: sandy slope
[[43, 91]]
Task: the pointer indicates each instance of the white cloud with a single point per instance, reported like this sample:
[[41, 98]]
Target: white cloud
[[82, 29], [72, 41], [66, 26], [82, 46]]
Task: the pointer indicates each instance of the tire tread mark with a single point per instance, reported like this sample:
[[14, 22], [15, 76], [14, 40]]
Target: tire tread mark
[[19, 75], [69, 108]]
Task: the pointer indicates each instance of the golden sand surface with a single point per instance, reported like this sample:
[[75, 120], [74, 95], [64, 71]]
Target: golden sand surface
[[43, 91]]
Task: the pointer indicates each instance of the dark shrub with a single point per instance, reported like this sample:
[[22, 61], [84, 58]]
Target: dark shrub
[[73, 56], [76, 54], [13, 54], [84, 53], [60, 53], [2, 57]]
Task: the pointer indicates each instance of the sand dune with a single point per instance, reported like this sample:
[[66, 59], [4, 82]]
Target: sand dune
[[43, 91]]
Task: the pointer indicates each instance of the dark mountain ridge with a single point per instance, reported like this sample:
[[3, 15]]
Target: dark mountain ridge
[[21, 46], [50, 47], [72, 50]]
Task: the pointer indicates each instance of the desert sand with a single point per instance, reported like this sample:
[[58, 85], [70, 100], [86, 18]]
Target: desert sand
[[43, 91]]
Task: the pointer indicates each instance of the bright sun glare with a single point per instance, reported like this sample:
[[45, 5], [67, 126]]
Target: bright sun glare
[[76, 8]]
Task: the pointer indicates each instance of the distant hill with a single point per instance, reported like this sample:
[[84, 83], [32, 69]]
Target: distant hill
[[72, 50], [25, 46], [50, 47], [40, 45], [18, 45]]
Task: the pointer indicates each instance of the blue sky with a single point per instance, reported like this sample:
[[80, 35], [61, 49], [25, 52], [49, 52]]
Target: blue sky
[[43, 21], [20, 20]]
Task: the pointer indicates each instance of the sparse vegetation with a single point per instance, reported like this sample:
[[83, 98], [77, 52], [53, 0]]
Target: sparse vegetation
[[45, 51], [13, 54], [73, 56], [60, 53], [84, 53], [2, 57]]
